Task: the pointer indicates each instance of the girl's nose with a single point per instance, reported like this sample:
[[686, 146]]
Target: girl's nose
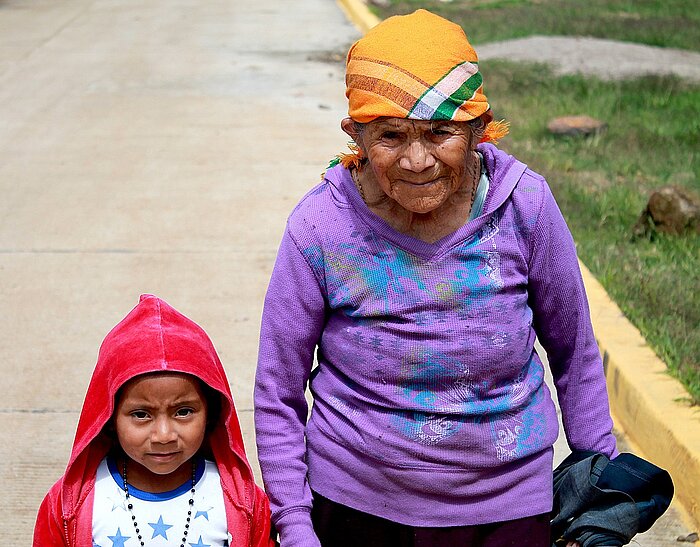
[[417, 157], [163, 431]]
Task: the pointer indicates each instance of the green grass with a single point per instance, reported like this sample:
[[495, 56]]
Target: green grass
[[602, 185], [674, 23]]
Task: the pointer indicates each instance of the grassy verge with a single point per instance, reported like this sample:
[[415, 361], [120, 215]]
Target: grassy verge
[[602, 185], [674, 23]]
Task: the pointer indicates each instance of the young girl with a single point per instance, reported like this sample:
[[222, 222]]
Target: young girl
[[158, 457]]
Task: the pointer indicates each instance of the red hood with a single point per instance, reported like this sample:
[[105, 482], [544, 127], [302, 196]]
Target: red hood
[[154, 337]]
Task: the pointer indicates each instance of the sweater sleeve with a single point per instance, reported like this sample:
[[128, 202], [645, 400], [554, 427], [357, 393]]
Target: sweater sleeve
[[292, 321], [563, 325]]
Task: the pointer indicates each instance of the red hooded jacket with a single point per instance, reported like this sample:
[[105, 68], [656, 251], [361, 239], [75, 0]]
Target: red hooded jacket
[[152, 337]]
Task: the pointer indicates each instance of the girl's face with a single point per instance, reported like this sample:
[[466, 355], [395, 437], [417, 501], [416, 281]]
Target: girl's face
[[160, 421]]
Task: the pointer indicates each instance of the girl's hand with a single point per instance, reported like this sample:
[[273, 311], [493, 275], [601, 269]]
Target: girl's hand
[[573, 544]]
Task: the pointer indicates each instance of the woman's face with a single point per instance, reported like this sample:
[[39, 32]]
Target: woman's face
[[419, 164]]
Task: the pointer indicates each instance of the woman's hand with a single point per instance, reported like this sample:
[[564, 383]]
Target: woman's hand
[[573, 544]]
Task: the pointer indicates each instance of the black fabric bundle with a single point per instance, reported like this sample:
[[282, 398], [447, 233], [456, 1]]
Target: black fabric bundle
[[602, 502]]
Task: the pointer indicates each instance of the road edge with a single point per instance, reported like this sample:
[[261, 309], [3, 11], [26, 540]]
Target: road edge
[[358, 14]]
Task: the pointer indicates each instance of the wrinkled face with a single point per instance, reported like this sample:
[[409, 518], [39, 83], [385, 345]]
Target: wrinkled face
[[160, 421], [418, 163]]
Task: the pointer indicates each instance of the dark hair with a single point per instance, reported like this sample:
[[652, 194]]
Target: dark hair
[[213, 400]]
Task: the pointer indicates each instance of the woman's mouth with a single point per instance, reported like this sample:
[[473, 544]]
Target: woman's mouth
[[419, 182]]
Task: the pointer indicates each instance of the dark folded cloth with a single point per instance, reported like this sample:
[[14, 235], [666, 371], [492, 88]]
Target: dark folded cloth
[[602, 502]]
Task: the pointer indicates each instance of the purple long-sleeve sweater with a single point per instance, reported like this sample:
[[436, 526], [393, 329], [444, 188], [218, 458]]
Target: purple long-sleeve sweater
[[430, 407]]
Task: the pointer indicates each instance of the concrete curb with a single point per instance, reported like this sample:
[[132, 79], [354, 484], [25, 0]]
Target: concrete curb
[[358, 13], [650, 407]]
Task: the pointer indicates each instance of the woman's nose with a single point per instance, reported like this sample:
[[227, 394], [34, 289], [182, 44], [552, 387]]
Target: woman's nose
[[163, 431], [417, 157]]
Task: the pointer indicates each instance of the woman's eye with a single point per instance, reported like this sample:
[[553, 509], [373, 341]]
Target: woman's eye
[[390, 135], [440, 132]]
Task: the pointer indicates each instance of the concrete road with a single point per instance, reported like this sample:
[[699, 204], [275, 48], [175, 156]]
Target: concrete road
[[145, 147]]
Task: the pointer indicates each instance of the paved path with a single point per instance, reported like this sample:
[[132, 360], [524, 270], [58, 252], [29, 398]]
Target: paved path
[[609, 59], [145, 147]]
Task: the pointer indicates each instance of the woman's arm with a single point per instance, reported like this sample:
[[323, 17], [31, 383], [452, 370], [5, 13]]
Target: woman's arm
[[563, 326], [293, 318]]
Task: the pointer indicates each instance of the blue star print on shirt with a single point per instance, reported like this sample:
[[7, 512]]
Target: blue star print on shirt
[[117, 504], [159, 528], [199, 543], [204, 513], [119, 540]]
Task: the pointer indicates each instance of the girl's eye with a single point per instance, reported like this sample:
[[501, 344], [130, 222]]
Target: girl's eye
[[140, 414], [184, 412]]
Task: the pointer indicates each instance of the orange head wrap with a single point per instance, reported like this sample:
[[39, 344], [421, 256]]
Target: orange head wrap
[[418, 66]]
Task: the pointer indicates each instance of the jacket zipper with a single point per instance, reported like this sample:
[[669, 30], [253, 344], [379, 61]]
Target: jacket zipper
[[65, 531]]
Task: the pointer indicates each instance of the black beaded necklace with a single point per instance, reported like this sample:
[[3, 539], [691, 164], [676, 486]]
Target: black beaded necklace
[[130, 505]]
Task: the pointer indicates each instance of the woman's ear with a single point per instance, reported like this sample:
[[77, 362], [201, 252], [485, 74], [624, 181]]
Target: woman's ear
[[350, 127]]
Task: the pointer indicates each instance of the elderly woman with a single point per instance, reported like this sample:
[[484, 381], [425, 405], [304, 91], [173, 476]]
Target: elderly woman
[[419, 273]]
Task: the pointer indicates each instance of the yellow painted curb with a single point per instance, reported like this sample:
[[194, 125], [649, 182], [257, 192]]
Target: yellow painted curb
[[356, 11], [651, 407]]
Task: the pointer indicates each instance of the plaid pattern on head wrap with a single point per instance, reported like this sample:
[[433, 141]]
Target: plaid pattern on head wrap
[[418, 66]]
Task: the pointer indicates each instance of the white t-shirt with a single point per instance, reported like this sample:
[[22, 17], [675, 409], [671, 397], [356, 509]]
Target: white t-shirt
[[161, 517]]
